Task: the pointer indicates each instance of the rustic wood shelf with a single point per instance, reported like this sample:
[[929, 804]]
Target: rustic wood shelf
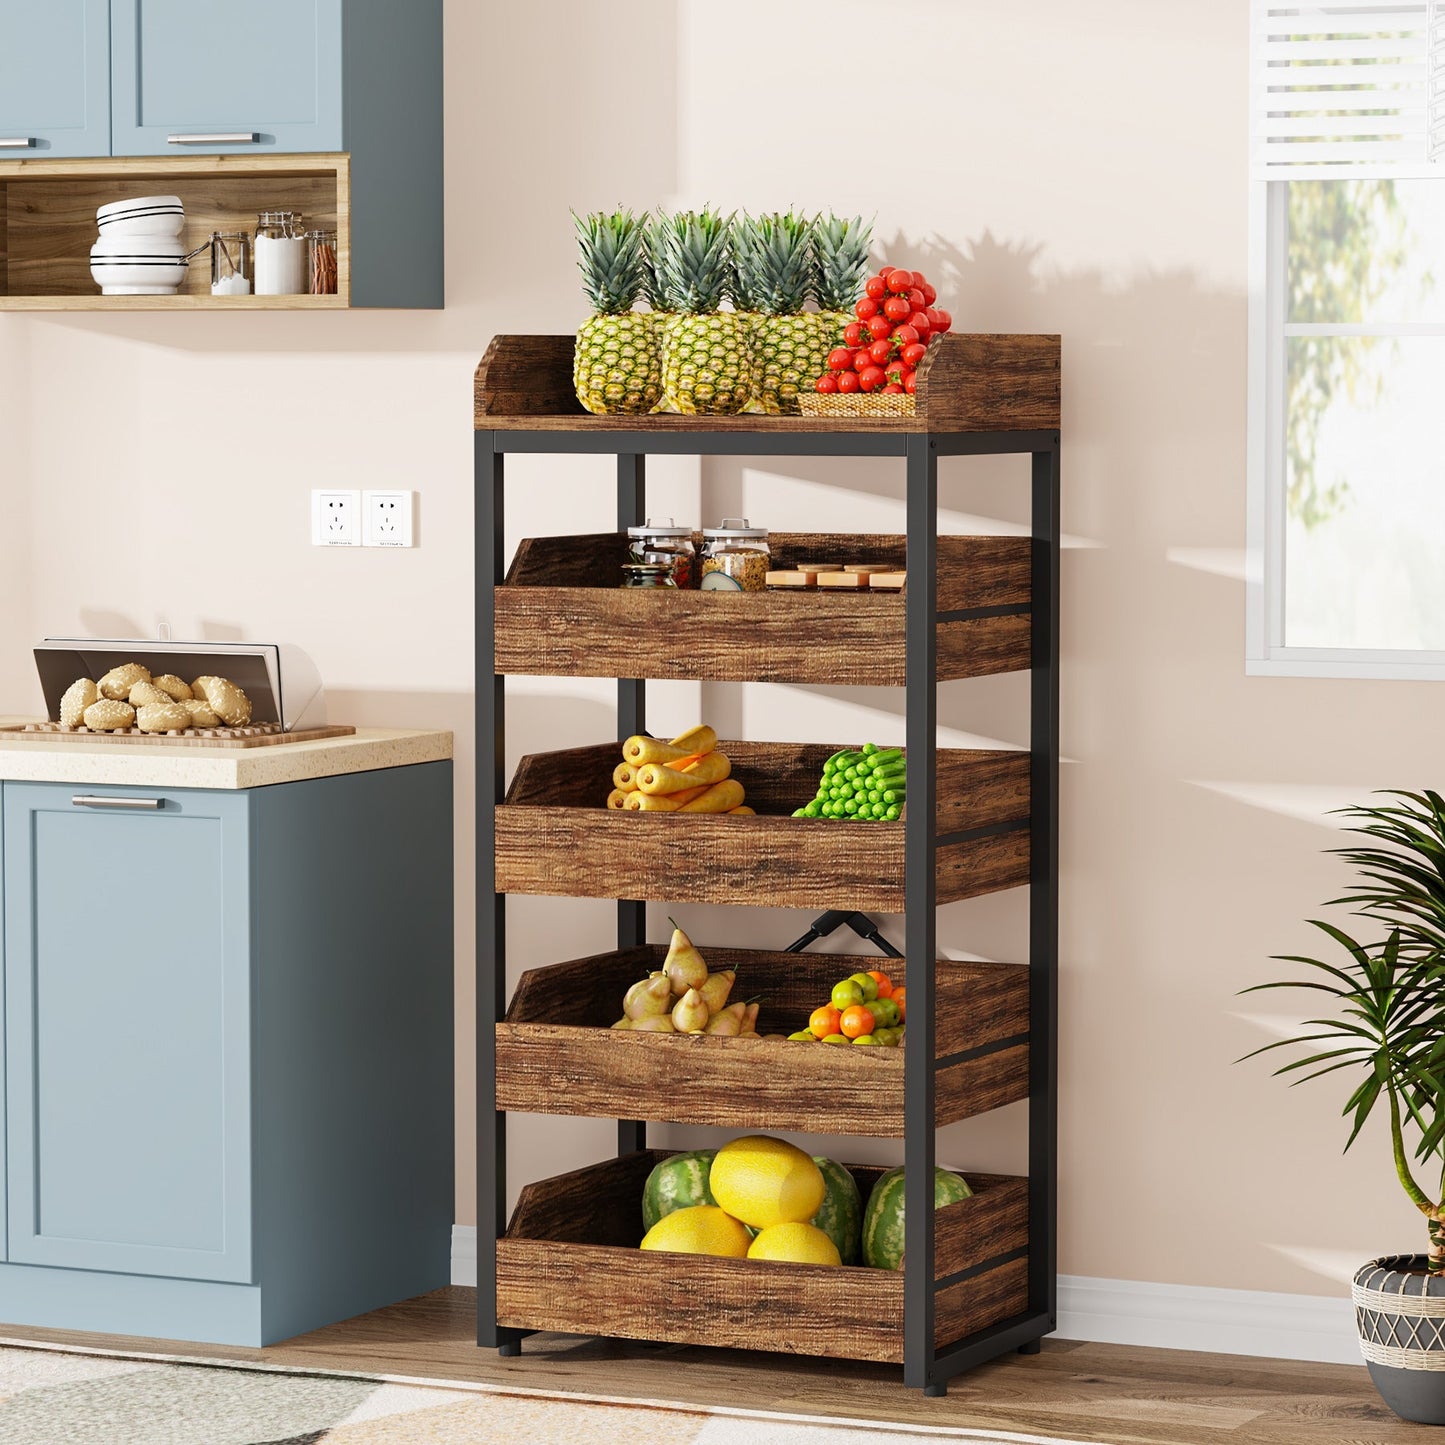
[[569, 1262], [561, 613], [550, 838], [979, 1277], [558, 1054]]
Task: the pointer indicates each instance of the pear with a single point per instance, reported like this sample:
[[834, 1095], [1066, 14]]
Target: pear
[[724, 1025], [623, 1023], [653, 1024], [690, 1014], [738, 1011], [750, 1019], [716, 988], [684, 965], [650, 996]]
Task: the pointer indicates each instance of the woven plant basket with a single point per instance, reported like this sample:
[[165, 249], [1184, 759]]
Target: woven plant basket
[[873, 404], [1400, 1315]]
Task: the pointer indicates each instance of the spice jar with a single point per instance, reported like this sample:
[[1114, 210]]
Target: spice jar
[[735, 557], [659, 542], [230, 263], [280, 254], [647, 574], [321, 262]]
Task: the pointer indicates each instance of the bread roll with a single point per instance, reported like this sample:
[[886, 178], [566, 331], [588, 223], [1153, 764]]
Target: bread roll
[[226, 700], [146, 692], [201, 714], [173, 687], [117, 683], [163, 717], [74, 701], [107, 715]]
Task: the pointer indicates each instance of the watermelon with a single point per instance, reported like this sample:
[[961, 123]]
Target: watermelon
[[678, 1182], [883, 1218], [840, 1216]]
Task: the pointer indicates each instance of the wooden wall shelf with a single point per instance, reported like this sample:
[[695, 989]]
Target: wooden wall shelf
[[549, 839], [966, 383], [588, 625], [558, 1054], [569, 1262], [47, 224]]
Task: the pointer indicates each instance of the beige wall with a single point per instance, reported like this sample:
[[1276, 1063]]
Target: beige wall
[[1056, 167]]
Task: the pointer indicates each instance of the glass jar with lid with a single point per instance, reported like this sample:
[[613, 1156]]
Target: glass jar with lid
[[735, 557], [647, 574], [280, 254], [665, 542]]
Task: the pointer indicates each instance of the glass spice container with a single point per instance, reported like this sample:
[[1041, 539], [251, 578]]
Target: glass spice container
[[321, 262], [647, 574], [665, 542], [735, 557], [230, 263], [280, 254]]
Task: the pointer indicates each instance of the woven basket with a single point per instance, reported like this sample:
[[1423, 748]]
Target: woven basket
[[872, 404]]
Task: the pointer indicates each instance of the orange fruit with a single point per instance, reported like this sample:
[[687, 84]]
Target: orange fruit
[[885, 984], [855, 1021], [900, 997], [824, 1021]]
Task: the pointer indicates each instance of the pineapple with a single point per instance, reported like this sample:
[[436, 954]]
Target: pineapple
[[840, 267], [773, 256], [707, 366], [616, 365]]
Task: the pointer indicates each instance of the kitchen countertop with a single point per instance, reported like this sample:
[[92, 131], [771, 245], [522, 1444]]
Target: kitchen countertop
[[149, 766]]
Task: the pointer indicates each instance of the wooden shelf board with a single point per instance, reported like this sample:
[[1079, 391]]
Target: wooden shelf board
[[173, 303]]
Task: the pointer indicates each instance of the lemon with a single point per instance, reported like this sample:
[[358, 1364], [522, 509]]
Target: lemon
[[795, 1244], [701, 1229], [765, 1181]]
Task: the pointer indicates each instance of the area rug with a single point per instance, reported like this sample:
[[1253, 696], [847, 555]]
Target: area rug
[[49, 1397]]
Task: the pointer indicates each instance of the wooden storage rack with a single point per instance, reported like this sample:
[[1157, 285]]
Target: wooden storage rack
[[980, 1276]]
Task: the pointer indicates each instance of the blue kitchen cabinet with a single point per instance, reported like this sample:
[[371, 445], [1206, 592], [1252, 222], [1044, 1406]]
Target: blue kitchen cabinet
[[227, 1043], [215, 77], [54, 78]]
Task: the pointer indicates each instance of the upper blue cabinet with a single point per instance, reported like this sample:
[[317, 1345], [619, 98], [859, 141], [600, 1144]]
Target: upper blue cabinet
[[217, 77], [54, 78]]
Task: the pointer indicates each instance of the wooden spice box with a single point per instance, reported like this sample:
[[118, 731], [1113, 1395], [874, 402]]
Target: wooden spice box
[[552, 838], [558, 1054], [561, 612], [569, 1262]]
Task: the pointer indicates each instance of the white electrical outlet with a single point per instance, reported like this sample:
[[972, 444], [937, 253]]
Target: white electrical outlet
[[387, 519], [335, 519]]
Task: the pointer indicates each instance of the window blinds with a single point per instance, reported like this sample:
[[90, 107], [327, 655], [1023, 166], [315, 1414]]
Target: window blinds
[[1348, 89]]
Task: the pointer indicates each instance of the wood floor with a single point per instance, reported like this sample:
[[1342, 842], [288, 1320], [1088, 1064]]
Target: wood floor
[[1112, 1394]]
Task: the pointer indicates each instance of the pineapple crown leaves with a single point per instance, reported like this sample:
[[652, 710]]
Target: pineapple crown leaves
[[840, 260], [612, 258], [773, 260], [692, 255]]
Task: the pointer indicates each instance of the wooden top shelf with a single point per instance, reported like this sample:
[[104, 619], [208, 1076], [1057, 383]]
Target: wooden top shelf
[[966, 383]]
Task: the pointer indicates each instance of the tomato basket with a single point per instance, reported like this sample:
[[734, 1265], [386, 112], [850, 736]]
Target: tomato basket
[[819, 403]]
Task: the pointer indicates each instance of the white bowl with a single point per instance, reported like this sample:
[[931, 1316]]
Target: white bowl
[[142, 248], [159, 276], [144, 215]]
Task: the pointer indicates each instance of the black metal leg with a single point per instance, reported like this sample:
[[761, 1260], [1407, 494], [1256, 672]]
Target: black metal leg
[[920, 897], [1031, 1347], [1044, 891], [631, 718], [937, 1388], [491, 905]]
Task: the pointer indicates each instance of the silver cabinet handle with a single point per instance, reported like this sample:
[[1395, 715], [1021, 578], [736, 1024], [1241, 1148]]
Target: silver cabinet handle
[[16, 142], [215, 138], [84, 800]]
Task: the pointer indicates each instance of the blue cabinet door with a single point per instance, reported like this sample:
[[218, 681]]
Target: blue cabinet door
[[127, 1033], [54, 78], [266, 73]]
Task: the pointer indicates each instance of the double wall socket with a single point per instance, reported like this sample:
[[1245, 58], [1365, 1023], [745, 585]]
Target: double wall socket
[[341, 518]]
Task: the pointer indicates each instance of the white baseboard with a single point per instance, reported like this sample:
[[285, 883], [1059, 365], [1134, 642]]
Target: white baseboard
[[1168, 1316]]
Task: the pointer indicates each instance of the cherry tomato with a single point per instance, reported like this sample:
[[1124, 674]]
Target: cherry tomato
[[866, 307], [893, 389], [944, 321], [875, 288], [912, 354], [863, 358], [839, 358], [906, 334], [921, 324], [848, 381], [910, 382], [853, 333], [935, 317], [896, 308], [917, 277], [897, 370], [915, 299], [880, 351], [826, 383], [880, 327], [899, 281], [872, 378], [929, 294]]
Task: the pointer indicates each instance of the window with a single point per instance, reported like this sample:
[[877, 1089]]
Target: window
[[1347, 340]]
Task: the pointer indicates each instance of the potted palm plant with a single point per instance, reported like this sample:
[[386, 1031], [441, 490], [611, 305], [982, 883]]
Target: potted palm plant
[[1384, 1033]]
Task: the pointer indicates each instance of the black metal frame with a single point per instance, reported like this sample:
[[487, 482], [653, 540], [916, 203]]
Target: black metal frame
[[925, 1366]]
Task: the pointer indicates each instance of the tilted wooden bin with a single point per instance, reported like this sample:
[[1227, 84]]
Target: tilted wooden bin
[[552, 838], [569, 1262]]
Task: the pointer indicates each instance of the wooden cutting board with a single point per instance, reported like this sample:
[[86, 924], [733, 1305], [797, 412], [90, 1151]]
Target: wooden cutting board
[[204, 738]]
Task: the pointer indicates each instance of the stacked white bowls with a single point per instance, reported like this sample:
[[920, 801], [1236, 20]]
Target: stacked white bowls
[[140, 251]]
